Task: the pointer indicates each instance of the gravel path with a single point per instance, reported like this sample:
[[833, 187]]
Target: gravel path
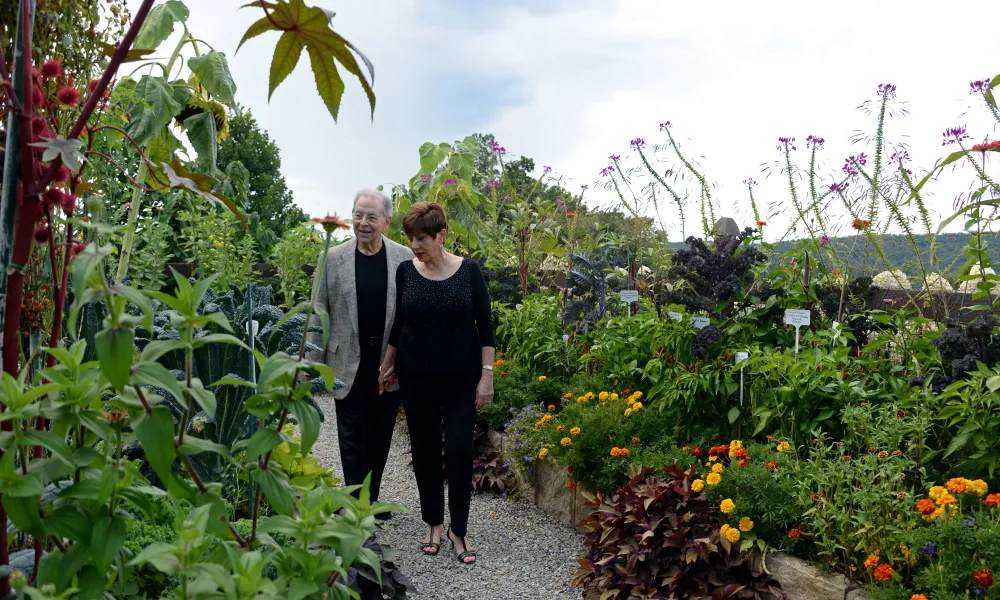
[[522, 553]]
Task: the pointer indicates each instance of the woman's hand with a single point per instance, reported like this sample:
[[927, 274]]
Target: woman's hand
[[386, 375], [484, 391]]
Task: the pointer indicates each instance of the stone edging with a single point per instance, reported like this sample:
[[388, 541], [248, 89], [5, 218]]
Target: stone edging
[[800, 580]]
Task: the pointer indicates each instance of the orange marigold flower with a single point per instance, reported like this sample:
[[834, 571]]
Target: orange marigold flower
[[560, 428], [847, 458], [552, 408], [772, 466], [993, 500], [871, 561], [743, 462], [946, 499], [984, 578], [740, 453], [571, 484], [926, 506], [616, 451], [635, 440], [626, 452], [957, 485], [918, 597], [568, 395], [331, 223], [795, 533], [883, 572]]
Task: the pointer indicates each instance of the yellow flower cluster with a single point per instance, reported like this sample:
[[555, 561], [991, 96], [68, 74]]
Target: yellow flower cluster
[[730, 533], [545, 419], [941, 501], [784, 446], [727, 506], [614, 396], [575, 431], [565, 441], [746, 524], [961, 485], [603, 396], [733, 445], [543, 453], [713, 479], [717, 468], [697, 485], [542, 378]]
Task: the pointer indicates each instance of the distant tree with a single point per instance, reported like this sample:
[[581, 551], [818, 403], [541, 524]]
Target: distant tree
[[268, 195]]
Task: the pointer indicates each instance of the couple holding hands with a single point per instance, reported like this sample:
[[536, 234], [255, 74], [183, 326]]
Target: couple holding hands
[[410, 325]]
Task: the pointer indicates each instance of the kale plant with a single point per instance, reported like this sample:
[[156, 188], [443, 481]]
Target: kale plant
[[592, 280], [706, 277], [849, 307], [961, 347]]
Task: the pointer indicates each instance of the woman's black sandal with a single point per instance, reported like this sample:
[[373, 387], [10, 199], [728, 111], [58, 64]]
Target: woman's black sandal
[[426, 546], [467, 554]]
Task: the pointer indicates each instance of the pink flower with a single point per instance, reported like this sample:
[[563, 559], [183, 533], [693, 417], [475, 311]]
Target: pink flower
[[69, 96], [51, 69]]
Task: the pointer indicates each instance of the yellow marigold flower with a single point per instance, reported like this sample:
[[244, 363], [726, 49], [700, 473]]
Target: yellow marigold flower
[[936, 492], [725, 527], [566, 441], [979, 487], [614, 396], [582, 399], [560, 428], [616, 451], [539, 424], [727, 506], [784, 446], [628, 412], [637, 406], [589, 395], [637, 394], [945, 499], [733, 535], [746, 524], [575, 431], [542, 378], [717, 468], [957, 485], [603, 396], [697, 485], [904, 551], [543, 453], [712, 458], [934, 515], [552, 408], [713, 479]]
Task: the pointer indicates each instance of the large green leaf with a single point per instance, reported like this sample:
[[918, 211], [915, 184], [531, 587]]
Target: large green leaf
[[286, 57], [201, 133], [180, 178], [308, 419], [114, 351], [106, 540], [158, 104], [328, 82], [213, 73], [275, 486], [431, 156], [160, 23], [156, 434], [24, 512]]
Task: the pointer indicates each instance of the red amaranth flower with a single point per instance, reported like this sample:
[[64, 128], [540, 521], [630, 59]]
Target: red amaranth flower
[[37, 97], [51, 69], [59, 198], [43, 234], [40, 127], [69, 96], [62, 174], [76, 247]]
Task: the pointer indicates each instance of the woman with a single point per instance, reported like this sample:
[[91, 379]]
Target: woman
[[441, 347]]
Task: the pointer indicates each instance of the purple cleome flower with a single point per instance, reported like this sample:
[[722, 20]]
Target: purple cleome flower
[[786, 142], [887, 89], [451, 182], [614, 158], [838, 187], [825, 240], [583, 187], [664, 125], [852, 163], [607, 171], [815, 140], [979, 87], [954, 135], [749, 181], [900, 156], [546, 169], [637, 143], [425, 179], [493, 184]]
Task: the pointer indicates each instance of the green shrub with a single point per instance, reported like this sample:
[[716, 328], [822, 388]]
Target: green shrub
[[299, 246]]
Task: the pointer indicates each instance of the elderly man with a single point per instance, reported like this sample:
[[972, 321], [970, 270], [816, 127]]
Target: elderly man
[[358, 290]]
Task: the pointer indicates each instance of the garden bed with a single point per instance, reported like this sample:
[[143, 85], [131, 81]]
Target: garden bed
[[567, 505]]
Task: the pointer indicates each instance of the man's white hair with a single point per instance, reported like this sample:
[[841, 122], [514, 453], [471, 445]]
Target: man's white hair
[[376, 194]]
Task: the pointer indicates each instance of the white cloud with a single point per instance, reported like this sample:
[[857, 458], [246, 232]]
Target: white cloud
[[573, 83]]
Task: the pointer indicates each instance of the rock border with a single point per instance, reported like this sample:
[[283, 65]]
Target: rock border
[[799, 579]]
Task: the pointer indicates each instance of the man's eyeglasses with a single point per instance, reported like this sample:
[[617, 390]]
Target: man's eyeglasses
[[370, 218]]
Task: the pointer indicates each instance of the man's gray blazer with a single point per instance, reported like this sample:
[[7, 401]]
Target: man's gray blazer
[[338, 295]]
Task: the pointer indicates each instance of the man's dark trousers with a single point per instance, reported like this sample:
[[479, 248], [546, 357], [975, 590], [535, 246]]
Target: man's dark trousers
[[365, 422]]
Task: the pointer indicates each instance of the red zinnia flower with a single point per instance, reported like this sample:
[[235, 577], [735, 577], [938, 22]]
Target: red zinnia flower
[[860, 224], [987, 146], [51, 69], [570, 215], [984, 578], [795, 533], [900, 413], [69, 96], [696, 451], [761, 223]]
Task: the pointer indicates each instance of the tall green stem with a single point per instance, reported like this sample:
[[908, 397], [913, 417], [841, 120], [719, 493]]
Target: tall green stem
[[140, 179]]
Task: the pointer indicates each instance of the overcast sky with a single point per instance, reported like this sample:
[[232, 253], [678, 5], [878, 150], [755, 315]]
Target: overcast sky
[[571, 82]]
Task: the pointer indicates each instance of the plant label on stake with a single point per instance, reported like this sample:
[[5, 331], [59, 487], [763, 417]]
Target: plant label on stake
[[798, 318], [700, 322], [740, 357], [836, 330], [675, 315], [628, 297]]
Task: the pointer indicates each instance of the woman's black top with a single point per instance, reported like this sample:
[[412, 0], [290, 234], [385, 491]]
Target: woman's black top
[[441, 326]]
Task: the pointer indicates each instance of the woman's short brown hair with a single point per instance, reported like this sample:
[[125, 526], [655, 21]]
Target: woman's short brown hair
[[427, 218]]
